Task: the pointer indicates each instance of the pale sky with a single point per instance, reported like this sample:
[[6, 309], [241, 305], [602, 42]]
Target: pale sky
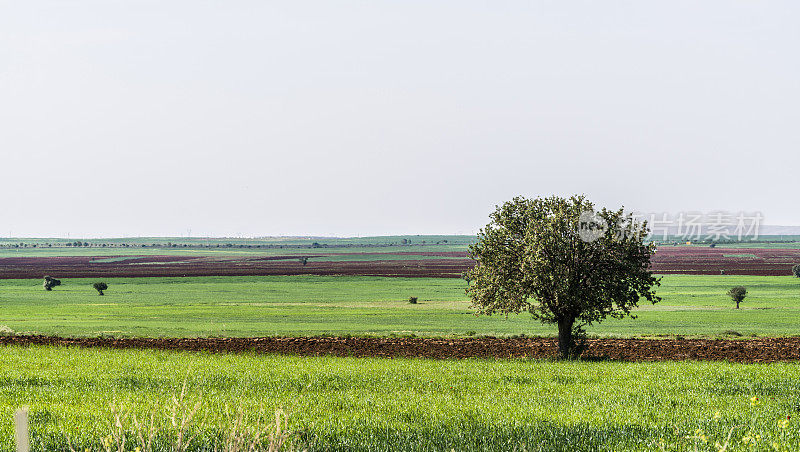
[[388, 117]]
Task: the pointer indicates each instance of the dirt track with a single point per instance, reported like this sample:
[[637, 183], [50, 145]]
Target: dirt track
[[760, 350]]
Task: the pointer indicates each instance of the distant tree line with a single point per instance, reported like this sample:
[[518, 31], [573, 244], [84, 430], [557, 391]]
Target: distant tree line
[[314, 245]]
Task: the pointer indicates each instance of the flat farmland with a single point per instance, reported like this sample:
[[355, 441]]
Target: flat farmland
[[254, 329], [303, 305], [370, 404], [697, 260], [151, 263], [437, 261]]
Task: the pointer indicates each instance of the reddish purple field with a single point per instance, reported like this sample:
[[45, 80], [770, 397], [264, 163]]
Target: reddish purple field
[[712, 261], [668, 260], [150, 266]]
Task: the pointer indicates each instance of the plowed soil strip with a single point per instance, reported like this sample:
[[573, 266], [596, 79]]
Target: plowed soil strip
[[761, 350]]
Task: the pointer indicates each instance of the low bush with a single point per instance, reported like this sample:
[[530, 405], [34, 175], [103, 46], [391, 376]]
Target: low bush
[[100, 287], [50, 282], [737, 294]]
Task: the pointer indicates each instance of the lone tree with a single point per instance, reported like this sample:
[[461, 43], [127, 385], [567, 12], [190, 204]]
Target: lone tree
[[563, 262], [303, 260], [796, 270], [49, 283], [100, 287], [737, 294]]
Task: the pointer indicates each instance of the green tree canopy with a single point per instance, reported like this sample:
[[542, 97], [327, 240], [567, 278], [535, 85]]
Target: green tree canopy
[[564, 262], [737, 294], [100, 287], [50, 282]]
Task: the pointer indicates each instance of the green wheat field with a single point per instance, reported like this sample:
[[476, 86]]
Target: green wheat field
[[346, 404], [359, 305], [88, 399]]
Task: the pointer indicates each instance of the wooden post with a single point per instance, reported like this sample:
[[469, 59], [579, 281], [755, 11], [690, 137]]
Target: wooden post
[[21, 430]]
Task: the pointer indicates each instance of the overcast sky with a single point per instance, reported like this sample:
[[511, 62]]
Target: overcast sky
[[387, 117]]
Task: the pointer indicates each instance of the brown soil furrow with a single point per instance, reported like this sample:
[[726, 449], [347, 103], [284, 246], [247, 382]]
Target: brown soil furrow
[[759, 350]]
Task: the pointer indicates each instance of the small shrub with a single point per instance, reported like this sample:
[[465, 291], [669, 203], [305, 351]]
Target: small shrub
[[413, 300], [738, 294], [49, 283], [471, 333], [100, 287], [796, 270], [731, 333]]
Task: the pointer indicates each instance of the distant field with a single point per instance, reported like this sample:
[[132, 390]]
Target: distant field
[[232, 251], [730, 261], [445, 261], [314, 305], [360, 404], [789, 244], [403, 256], [234, 241], [341, 404]]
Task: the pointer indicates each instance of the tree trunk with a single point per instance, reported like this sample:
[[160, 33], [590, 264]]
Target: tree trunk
[[566, 342], [737, 305], [101, 292]]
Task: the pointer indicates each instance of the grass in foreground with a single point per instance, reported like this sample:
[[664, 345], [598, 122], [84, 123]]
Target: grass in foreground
[[373, 404], [360, 305]]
